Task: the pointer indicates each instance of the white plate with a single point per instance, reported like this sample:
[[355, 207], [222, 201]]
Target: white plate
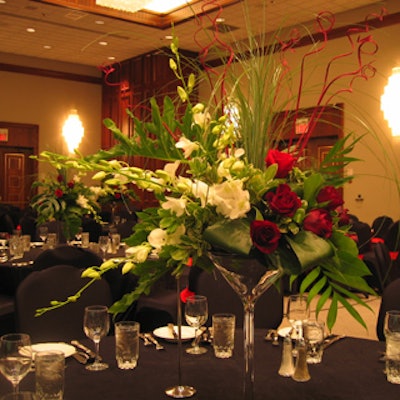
[[164, 332], [66, 348], [284, 331]]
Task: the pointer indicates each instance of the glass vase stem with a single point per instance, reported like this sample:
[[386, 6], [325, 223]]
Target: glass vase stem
[[248, 332]]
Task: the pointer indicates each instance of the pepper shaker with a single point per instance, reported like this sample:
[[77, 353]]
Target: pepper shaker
[[301, 373]]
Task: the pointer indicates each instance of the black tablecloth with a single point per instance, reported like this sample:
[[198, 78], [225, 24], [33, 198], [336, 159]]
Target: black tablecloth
[[350, 370]]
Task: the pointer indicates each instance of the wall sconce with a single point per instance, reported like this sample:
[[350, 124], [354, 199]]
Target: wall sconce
[[73, 131], [389, 102]]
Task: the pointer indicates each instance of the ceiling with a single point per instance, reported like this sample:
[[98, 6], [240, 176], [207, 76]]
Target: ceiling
[[74, 36]]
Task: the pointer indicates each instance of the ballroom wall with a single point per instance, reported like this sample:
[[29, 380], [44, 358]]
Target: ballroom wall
[[46, 101]]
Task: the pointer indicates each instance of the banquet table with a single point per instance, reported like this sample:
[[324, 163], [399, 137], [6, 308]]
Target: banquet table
[[350, 369]]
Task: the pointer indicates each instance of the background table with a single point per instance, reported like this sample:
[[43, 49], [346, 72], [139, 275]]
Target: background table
[[351, 369]]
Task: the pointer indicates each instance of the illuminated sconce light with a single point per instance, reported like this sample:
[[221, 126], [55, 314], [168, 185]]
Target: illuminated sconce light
[[73, 131], [389, 102]]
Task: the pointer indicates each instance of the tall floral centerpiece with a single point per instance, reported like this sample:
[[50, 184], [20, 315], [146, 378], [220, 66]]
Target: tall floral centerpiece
[[229, 188]]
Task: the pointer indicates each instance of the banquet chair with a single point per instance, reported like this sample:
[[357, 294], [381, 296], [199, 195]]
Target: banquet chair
[[56, 283], [222, 299], [392, 237], [380, 226], [64, 254], [390, 301]]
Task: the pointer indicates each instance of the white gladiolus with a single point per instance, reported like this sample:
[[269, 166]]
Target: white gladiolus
[[201, 191], [157, 238], [140, 253], [82, 201]]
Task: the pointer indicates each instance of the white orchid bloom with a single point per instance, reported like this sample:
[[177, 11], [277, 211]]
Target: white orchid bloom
[[230, 199], [176, 205], [201, 191], [157, 238], [187, 145], [82, 201]]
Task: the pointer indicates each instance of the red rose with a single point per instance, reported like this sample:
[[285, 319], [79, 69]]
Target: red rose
[[330, 195], [60, 178], [285, 162], [283, 201], [71, 184], [318, 221], [117, 196], [59, 193], [265, 236], [344, 218], [185, 293]]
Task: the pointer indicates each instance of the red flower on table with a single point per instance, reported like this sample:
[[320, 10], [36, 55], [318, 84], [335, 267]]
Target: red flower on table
[[71, 184], [185, 293], [59, 193], [285, 162], [60, 178], [265, 236], [331, 196], [283, 201], [318, 221]]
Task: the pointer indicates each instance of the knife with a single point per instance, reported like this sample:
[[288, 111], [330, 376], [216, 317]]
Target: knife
[[81, 357], [85, 349]]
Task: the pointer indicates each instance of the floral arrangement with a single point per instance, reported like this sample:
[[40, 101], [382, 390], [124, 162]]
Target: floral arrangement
[[227, 186], [64, 199]]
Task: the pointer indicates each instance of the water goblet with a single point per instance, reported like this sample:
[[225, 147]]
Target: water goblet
[[297, 312], [104, 242], [96, 324], [196, 314], [15, 357], [43, 232]]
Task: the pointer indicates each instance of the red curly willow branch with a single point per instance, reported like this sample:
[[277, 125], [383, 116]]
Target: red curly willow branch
[[362, 47]]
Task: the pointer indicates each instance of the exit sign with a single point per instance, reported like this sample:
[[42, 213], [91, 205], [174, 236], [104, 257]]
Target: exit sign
[[3, 135]]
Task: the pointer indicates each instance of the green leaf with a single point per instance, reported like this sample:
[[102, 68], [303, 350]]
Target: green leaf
[[311, 187]]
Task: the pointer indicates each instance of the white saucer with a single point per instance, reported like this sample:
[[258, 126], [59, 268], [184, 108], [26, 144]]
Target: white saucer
[[165, 333], [66, 348]]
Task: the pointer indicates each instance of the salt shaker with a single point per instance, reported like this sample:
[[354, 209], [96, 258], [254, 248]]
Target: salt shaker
[[301, 373], [287, 366]]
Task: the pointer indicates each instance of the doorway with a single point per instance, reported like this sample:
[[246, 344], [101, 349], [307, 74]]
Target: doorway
[[17, 170]]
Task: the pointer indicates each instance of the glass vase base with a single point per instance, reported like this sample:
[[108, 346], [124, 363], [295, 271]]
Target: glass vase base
[[97, 367], [180, 391], [196, 350]]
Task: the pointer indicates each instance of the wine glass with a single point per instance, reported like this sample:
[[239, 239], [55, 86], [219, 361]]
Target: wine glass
[[96, 323], [297, 312], [104, 242], [196, 314], [15, 357], [43, 232]]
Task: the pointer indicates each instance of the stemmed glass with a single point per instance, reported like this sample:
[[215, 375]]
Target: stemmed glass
[[96, 324], [15, 357], [297, 312], [196, 314], [104, 242], [43, 232], [78, 235]]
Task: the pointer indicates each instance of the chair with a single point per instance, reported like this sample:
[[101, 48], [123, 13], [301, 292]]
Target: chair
[[392, 237], [381, 225], [69, 255], [364, 234], [222, 298], [56, 283], [7, 315], [390, 301]]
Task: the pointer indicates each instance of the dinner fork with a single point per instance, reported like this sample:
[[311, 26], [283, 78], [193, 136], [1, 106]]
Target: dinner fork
[[153, 340]]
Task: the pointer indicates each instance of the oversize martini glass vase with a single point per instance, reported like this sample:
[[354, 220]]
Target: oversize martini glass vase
[[249, 278]]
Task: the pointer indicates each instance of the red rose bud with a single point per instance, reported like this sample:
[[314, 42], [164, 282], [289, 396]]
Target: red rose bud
[[60, 178], [318, 221], [117, 196], [185, 293], [285, 162], [59, 193], [71, 184], [265, 236], [283, 201], [331, 196]]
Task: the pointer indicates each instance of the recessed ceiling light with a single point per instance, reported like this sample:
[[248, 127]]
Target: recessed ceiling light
[[111, 58], [31, 30], [103, 43], [47, 47], [220, 20], [168, 37], [99, 22]]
